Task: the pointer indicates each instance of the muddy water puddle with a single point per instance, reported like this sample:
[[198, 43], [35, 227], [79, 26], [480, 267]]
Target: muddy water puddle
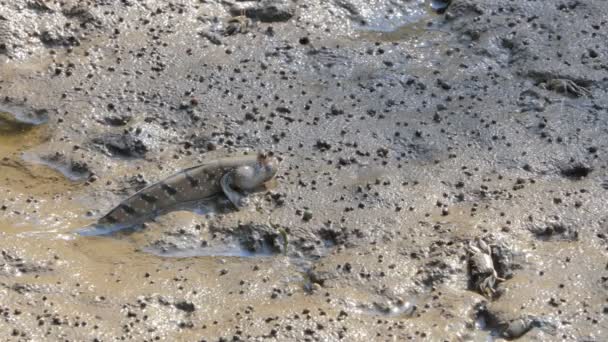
[[19, 132], [10, 126], [35, 198]]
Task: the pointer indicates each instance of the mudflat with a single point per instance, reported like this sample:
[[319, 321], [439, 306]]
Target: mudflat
[[442, 177]]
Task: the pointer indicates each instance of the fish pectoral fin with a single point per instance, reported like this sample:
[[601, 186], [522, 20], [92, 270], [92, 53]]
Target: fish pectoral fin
[[238, 199]]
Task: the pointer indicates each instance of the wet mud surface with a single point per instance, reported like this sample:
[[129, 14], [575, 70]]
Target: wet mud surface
[[443, 176]]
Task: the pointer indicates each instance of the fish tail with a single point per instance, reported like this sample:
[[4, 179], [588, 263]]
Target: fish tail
[[143, 204]]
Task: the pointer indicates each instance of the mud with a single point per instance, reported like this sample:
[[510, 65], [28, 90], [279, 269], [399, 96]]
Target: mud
[[405, 135]]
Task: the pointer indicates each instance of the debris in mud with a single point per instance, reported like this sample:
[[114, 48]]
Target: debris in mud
[[554, 229], [519, 327], [53, 38], [266, 11], [332, 237], [121, 145], [12, 265], [576, 171], [185, 306], [512, 329], [117, 120], [260, 239]]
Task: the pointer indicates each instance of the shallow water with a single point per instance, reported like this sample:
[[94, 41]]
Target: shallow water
[[62, 167], [17, 134]]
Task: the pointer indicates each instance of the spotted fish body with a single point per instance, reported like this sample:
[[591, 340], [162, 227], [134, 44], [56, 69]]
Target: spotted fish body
[[196, 183]]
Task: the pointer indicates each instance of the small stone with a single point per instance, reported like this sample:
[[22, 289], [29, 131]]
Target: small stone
[[185, 306], [307, 216]]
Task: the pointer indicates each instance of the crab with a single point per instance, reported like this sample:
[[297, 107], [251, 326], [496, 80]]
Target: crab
[[482, 269], [238, 24], [566, 86]]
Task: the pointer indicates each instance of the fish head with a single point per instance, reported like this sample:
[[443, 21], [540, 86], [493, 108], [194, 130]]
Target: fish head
[[265, 168], [256, 177]]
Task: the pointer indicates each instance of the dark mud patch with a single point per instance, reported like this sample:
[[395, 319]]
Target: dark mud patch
[[125, 145]]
